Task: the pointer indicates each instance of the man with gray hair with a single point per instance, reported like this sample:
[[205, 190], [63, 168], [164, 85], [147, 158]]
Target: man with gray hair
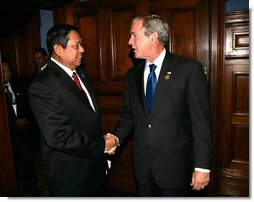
[[166, 106]]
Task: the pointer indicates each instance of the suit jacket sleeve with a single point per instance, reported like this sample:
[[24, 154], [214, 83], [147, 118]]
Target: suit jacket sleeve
[[125, 123], [199, 107]]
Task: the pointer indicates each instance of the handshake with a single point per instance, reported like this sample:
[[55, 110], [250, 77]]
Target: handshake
[[111, 143]]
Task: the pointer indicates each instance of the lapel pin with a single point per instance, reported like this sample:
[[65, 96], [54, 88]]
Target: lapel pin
[[168, 76]]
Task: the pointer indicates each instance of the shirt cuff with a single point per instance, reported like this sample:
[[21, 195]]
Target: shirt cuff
[[202, 170]]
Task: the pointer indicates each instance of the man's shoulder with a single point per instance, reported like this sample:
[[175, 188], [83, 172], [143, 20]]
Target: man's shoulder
[[182, 58]]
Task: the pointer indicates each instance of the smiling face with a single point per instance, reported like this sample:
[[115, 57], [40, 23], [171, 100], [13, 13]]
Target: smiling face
[[71, 56]]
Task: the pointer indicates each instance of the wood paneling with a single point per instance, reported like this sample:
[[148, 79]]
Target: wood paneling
[[183, 31], [120, 50], [91, 44], [188, 27], [234, 140], [17, 48], [237, 35]]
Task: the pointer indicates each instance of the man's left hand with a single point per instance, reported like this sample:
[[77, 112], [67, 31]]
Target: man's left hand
[[200, 180]]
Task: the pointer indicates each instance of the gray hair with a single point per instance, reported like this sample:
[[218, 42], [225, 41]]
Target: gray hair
[[154, 23]]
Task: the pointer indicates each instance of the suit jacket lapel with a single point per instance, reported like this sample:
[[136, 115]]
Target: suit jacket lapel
[[69, 84], [86, 82], [164, 81], [139, 78]]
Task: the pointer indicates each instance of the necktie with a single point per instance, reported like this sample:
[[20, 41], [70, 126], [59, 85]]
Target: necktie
[[76, 80], [9, 94], [150, 87]]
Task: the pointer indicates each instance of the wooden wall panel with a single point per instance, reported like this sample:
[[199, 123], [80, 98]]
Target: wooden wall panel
[[234, 139], [188, 27], [240, 140], [188, 31], [120, 49], [89, 34], [237, 34], [241, 90], [183, 32], [235, 130], [17, 48]]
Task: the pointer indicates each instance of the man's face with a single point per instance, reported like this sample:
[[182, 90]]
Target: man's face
[[71, 56], [140, 43], [6, 73], [39, 59]]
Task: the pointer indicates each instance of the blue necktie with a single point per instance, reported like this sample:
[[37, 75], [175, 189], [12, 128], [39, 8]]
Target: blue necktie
[[150, 87]]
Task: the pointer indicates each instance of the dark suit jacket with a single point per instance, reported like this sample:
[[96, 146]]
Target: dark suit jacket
[[72, 144], [176, 136]]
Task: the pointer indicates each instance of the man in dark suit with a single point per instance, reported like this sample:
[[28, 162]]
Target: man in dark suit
[[65, 108], [21, 131], [171, 126], [40, 59]]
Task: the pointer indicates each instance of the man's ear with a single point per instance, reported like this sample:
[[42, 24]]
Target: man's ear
[[57, 49], [154, 37]]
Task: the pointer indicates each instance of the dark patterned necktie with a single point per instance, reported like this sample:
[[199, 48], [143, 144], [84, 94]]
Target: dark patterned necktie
[[76, 80], [150, 87]]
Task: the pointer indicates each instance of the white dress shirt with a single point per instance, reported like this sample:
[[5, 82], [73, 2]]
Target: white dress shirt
[[14, 105]]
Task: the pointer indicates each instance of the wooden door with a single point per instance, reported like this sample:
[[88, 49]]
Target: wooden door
[[234, 139]]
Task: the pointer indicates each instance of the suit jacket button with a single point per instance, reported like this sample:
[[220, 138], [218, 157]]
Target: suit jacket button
[[149, 126]]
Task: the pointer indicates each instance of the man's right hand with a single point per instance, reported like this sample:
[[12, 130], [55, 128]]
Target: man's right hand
[[111, 143]]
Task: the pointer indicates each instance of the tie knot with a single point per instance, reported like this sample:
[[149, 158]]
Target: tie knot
[[74, 74], [152, 67], [75, 77]]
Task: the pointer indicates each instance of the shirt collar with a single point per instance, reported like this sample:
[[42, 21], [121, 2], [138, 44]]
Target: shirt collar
[[159, 60], [66, 69], [42, 68]]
